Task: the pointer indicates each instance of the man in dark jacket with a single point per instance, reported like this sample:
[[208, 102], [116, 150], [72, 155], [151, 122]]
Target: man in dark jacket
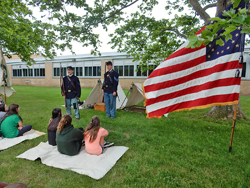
[[72, 90], [109, 88]]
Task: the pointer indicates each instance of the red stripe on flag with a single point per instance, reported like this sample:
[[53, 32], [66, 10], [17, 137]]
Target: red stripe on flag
[[196, 103], [195, 89], [195, 75]]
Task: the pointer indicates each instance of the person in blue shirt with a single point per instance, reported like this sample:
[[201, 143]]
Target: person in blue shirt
[[72, 92], [109, 88]]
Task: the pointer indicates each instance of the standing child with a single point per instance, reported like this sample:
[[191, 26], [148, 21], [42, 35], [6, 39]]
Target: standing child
[[53, 123], [94, 137]]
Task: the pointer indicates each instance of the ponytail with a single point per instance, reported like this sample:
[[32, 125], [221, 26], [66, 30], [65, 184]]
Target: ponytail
[[66, 120]]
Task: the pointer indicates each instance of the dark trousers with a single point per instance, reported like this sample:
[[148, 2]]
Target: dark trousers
[[24, 130]]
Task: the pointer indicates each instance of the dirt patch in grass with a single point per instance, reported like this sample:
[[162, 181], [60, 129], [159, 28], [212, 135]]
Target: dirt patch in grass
[[136, 109], [127, 135]]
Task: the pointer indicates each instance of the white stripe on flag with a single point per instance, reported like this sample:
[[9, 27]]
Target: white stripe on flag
[[183, 58]]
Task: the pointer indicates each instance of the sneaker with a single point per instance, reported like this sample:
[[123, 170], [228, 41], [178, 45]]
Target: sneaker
[[107, 144], [77, 119]]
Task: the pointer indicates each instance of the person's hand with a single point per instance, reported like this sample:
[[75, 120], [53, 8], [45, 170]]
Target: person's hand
[[19, 128], [77, 98], [102, 90], [114, 93], [63, 96]]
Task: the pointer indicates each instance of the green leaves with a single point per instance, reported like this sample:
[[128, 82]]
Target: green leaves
[[229, 24]]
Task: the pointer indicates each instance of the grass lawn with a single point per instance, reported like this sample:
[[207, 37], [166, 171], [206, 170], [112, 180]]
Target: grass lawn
[[184, 150]]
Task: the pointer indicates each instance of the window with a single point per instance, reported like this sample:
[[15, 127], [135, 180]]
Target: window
[[93, 71], [143, 71], [129, 70], [243, 73], [119, 69], [96, 71], [57, 71], [88, 71], [78, 71], [25, 72], [33, 71]]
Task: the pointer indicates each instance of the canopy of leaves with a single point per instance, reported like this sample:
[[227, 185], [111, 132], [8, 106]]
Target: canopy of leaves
[[140, 34], [232, 19]]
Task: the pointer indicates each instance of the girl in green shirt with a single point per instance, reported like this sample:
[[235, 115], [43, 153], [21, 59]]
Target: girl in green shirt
[[12, 123]]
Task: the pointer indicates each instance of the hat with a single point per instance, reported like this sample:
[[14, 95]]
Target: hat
[[108, 63], [69, 67]]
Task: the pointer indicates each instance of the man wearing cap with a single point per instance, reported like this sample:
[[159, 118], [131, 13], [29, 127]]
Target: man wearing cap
[[72, 92], [109, 88]]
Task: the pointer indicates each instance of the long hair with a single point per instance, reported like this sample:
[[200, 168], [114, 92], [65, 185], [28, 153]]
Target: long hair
[[2, 107], [66, 120], [56, 117], [93, 128], [12, 110]]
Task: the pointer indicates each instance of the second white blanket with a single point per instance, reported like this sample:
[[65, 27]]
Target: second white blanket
[[83, 163]]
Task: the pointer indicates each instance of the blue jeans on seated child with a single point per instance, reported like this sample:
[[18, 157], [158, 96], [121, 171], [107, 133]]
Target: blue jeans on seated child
[[24, 130]]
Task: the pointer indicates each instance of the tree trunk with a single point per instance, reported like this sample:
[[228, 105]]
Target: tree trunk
[[225, 112]]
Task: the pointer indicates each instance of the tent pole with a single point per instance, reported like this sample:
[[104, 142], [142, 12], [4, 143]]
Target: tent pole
[[126, 97], [4, 89], [233, 127], [3, 75]]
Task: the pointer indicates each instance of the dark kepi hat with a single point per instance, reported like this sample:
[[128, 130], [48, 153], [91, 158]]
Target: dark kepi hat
[[108, 63], [69, 67]]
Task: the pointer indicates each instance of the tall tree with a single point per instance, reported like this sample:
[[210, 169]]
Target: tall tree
[[140, 34]]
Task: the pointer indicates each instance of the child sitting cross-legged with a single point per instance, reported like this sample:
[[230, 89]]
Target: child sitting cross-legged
[[94, 137]]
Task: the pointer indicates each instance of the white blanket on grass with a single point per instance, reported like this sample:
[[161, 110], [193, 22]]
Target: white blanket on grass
[[83, 163], [9, 142]]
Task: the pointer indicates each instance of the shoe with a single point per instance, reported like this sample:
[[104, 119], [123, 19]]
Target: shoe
[[108, 116], [107, 144], [77, 119]]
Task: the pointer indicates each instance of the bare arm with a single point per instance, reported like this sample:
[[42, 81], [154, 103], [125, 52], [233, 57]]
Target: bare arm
[[20, 125]]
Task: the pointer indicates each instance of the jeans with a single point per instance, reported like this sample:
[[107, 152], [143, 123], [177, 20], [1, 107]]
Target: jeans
[[110, 104], [24, 130], [75, 106]]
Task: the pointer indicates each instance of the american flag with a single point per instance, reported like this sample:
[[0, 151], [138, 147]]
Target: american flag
[[195, 78]]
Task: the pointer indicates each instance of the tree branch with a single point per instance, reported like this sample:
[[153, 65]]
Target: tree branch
[[119, 10], [197, 7], [209, 6], [177, 32]]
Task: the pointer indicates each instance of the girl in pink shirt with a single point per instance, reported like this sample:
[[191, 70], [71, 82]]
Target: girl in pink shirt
[[94, 137]]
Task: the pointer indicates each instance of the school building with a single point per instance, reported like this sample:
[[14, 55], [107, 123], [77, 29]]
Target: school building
[[90, 68]]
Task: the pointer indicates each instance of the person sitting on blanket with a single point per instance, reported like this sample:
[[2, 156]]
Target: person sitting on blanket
[[3, 110], [53, 123], [94, 137], [69, 139], [12, 123]]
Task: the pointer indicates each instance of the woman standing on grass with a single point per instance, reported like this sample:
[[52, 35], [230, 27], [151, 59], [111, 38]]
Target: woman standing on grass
[[12, 123], [53, 123], [68, 139], [94, 137]]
